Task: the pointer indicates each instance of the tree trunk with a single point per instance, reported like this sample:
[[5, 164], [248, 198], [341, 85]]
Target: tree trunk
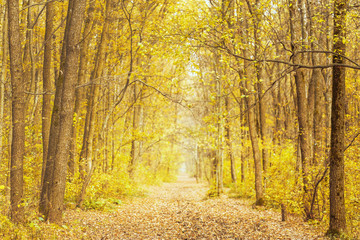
[[54, 126], [264, 128], [318, 123], [278, 106], [135, 148], [316, 94], [28, 75], [242, 135], [255, 12], [47, 86], [250, 101], [219, 152], [18, 113], [228, 141], [301, 100], [304, 139], [3, 78], [251, 120], [80, 92], [88, 140], [57, 190], [337, 175]]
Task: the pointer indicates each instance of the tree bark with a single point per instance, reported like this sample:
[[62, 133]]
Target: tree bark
[[47, 86], [250, 101], [242, 133], [260, 83], [28, 63], [18, 113], [251, 120], [301, 100], [80, 92], [318, 123], [3, 78], [57, 190], [54, 126], [337, 175]]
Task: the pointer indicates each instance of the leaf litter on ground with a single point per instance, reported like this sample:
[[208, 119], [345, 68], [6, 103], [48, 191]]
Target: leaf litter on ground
[[181, 211]]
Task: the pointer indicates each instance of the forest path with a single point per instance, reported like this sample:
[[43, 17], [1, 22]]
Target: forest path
[[180, 211]]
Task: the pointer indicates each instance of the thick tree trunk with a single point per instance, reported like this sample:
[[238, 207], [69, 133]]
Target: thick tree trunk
[[304, 139], [57, 189], [18, 113], [47, 86], [54, 126], [337, 175]]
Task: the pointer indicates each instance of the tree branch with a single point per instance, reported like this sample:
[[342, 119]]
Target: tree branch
[[352, 141], [355, 66]]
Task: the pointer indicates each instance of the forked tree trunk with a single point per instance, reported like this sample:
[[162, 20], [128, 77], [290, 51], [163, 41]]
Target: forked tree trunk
[[57, 186], [54, 127]]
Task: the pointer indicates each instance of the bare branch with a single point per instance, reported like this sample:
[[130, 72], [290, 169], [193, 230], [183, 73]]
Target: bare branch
[[41, 93], [355, 66], [352, 141], [41, 3]]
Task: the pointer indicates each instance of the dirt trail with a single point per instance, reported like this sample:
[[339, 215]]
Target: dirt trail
[[179, 211]]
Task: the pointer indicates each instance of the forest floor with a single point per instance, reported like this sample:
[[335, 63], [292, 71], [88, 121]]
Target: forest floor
[[181, 211]]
